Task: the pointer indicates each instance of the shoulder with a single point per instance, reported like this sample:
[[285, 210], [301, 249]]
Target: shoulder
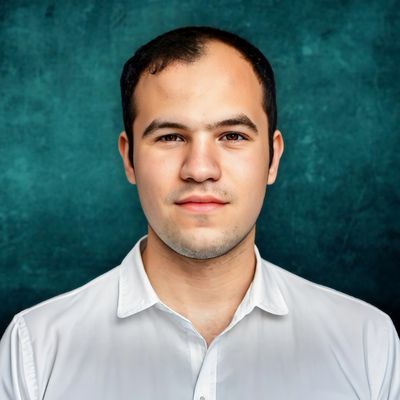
[[325, 305], [361, 337], [98, 295], [37, 335]]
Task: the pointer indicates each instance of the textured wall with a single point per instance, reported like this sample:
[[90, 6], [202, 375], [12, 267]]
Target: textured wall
[[67, 212]]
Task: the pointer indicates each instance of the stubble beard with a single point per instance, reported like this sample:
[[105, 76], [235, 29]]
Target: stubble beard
[[197, 245]]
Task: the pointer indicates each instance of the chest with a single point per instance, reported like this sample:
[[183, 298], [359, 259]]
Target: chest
[[209, 326], [256, 359], [209, 332]]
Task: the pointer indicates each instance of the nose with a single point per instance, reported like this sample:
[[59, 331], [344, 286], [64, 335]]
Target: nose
[[201, 161]]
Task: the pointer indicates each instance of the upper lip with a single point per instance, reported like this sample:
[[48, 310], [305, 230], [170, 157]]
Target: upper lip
[[200, 199]]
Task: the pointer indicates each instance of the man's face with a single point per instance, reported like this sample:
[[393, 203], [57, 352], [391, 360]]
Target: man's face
[[201, 130]]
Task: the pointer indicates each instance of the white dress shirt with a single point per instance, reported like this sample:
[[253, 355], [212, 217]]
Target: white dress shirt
[[114, 339]]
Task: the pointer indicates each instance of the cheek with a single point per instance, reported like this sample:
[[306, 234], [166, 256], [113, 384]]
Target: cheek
[[248, 176], [153, 175], [250, 172]]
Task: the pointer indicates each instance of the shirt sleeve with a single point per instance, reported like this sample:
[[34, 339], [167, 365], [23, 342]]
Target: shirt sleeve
[[390, 388], [17, 371]]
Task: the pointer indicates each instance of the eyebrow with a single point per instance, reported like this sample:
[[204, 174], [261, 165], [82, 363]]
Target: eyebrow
[[240, 119]]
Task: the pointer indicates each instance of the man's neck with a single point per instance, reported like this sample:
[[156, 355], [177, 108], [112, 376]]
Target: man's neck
[[201, 290]]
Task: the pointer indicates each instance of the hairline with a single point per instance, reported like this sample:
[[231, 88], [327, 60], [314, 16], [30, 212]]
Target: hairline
[[149, 58], [202, 53]]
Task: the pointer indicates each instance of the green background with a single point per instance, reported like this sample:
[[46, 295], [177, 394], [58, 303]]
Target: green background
[[67, 213]]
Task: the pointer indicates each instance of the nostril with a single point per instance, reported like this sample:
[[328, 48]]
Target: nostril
[[200, 170]]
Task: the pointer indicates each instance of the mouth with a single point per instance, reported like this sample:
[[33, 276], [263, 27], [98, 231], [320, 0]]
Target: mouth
[[201, 203], [200, 207]]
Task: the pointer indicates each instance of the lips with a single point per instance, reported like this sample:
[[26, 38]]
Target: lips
[[201, 199], [201, 203]]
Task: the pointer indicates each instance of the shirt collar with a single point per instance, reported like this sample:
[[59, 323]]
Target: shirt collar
[[135, 290], [264, 291], [136, 293]]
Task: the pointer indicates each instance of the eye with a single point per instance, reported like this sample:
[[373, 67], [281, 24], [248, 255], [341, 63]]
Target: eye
[[171, 137], [234, 137]]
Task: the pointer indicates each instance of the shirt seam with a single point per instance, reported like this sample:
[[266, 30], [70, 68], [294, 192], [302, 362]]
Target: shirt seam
[[389, 351], [28, 359]]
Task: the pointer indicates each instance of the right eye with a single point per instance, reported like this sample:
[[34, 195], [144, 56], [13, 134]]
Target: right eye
[[171, 137]]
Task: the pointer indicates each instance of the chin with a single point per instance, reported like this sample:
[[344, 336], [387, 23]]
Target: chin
[[201, 245], [203, 253]]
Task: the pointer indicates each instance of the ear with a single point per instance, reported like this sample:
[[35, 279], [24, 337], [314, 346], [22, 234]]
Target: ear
[[123, 147], [277, 143]]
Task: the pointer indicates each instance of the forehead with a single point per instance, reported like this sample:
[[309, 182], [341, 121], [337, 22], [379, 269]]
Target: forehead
[[220, 76]]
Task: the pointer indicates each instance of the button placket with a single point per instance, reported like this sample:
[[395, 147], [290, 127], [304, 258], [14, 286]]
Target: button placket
[[197, 352], [206, 383]]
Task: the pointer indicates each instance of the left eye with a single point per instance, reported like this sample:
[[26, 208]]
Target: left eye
[[169, 138], [234, 136]]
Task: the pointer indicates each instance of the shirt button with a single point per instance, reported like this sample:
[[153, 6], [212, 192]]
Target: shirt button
[[202, 398]]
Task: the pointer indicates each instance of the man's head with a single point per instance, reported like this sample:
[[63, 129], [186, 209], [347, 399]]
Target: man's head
[[200, 128], [187, 45]]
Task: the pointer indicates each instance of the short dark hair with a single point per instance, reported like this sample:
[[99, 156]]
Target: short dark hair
[[187, 45]]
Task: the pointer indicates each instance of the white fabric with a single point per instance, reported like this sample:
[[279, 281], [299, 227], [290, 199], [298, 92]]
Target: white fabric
[[114, 339]]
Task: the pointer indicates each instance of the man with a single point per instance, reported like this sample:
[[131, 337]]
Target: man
[[193, 311]]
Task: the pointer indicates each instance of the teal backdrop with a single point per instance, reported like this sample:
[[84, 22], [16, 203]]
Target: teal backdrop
[[67, 212]]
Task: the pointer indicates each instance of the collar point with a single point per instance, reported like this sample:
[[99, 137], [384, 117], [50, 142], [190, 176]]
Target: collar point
[[280, 311]]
